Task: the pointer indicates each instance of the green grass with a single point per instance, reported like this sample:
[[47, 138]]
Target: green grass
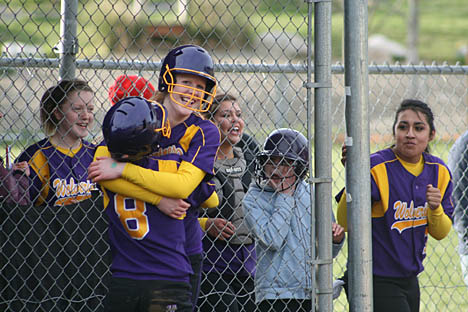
[[443, 28], [443, 24]]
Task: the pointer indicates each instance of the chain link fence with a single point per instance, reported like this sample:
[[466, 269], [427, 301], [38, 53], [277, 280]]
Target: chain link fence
[[57, 260]]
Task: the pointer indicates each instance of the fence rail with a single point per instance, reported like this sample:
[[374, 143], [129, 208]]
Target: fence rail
[[135, 65]]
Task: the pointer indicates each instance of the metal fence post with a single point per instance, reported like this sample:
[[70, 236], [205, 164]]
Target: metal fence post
[[282, 106], [68, 44], [308, 86], [358, 162], [323, 151]]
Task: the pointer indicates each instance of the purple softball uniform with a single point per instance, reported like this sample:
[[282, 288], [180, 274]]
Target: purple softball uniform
[[400, 212], [196, 141], [146, 244], [58, 177], [229, 259]]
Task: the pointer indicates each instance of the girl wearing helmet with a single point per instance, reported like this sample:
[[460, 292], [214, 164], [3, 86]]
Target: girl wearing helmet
[[277, 210], [186, 87]]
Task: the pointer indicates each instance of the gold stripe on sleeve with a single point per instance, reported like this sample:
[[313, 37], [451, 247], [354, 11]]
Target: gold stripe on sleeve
[[379, 173]]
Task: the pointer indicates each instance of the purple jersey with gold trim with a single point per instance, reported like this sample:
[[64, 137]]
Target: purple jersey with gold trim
[[193, 230], [57, 178], [146, 244], [195, 141], [400, 210]]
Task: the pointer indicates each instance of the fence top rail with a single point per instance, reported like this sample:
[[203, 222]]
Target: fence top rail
[[12, 62]]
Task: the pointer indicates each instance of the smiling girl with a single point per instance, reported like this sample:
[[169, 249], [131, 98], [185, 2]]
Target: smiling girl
[[59, 162], [411, 197], [186, 89], [229, 250]]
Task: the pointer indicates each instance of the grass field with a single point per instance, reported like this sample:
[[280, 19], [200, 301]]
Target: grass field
[[443, 24]]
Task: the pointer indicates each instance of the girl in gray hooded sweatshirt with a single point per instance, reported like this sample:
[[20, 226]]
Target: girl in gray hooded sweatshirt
[[278, 211]]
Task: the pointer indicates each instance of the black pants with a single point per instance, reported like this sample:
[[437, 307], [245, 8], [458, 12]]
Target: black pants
[[285, 305], [128, 295], [226, 293], [196, 261], [396, 294], [393, 294]]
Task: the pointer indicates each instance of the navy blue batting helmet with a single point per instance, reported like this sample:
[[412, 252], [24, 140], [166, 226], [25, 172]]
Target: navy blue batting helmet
[[289, 144], [189, 59], [132, 128]]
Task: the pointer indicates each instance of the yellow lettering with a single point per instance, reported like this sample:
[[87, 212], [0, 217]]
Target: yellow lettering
[[169, 150], [60, 188], [400, 210], [408, 217], [69, 193], [72, 187]]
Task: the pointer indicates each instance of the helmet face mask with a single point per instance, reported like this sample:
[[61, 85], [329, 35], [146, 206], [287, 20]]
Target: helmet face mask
[[133, 127], [286, 148], [204, 101], [273, 170], [193, 60]]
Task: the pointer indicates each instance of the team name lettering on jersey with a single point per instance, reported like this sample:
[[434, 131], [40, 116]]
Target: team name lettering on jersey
[[69, 193], [407, 217], [169, 150], [234, 169]]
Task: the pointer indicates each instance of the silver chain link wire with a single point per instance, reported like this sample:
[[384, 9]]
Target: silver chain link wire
[[66, 249]]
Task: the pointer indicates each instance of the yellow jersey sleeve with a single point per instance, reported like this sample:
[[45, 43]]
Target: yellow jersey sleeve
[[438, 223], [124, 187], [202, 222], [40, 165], [342, 212], [175, 185], [211, 202]]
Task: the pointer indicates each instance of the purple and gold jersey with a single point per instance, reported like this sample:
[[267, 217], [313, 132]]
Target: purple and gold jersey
[[58, 176], [195, 141], [146, 244], [400, 212]]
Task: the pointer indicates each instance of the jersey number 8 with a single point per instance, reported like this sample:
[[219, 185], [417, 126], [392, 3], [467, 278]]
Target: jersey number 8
[[132, 215]]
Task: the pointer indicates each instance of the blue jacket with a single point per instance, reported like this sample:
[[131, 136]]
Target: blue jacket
[[458, 165], [281, 226]]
